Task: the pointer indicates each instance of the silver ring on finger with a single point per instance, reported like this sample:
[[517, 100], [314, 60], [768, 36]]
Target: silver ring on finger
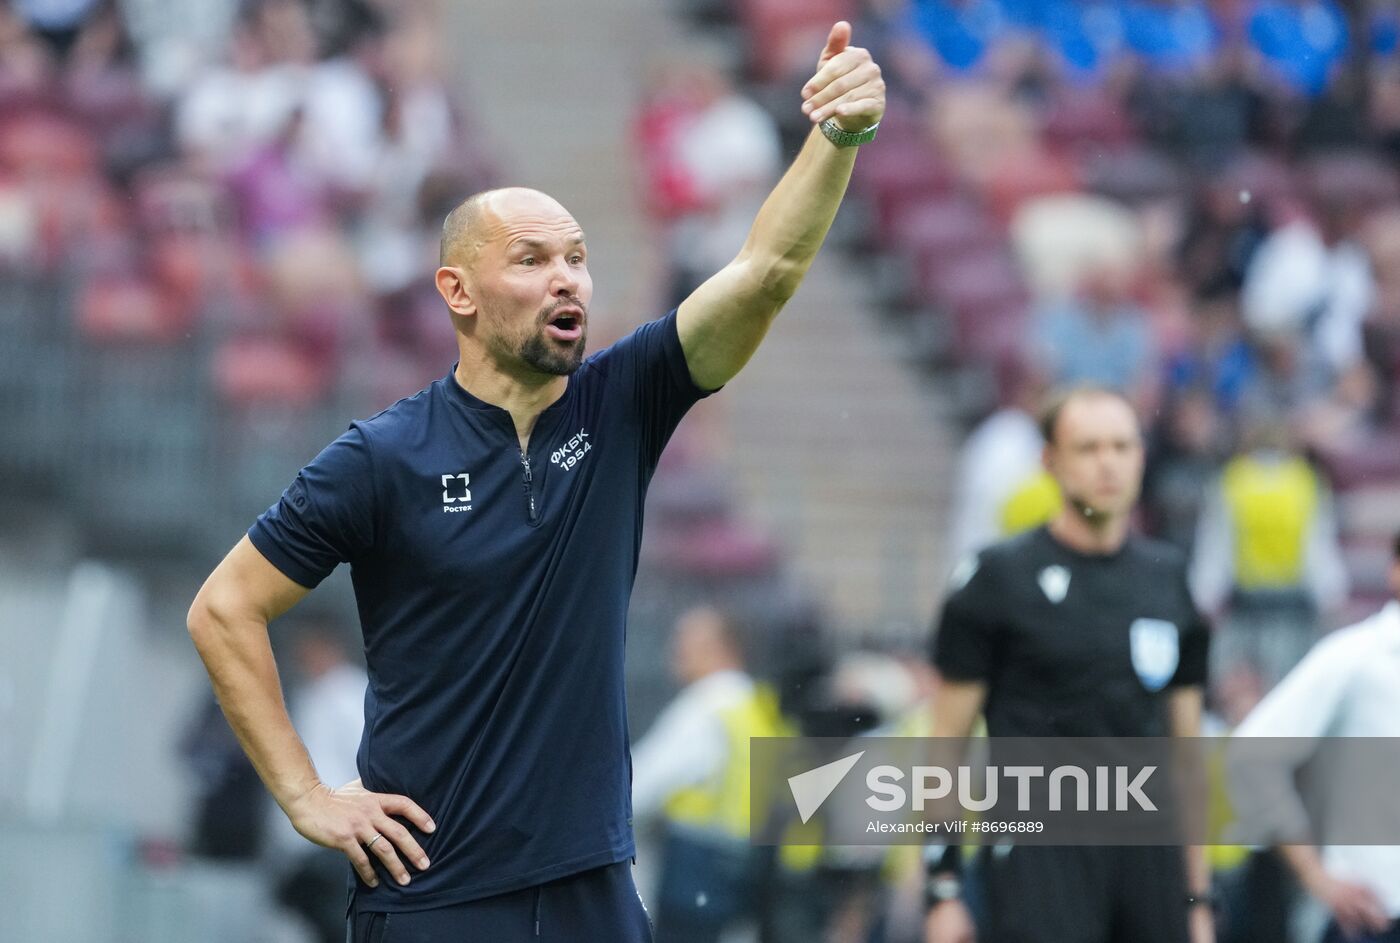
[[370, 844]]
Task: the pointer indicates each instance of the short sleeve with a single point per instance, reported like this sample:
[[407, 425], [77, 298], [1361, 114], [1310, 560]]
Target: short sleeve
[[964, 643], [325, 517], [650, 364], [1191, 669]]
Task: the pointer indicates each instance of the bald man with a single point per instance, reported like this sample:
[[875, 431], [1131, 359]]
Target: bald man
[[492, 523]]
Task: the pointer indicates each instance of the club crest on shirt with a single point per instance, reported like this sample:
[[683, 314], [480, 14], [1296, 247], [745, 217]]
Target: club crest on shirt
[[456, 496], [1054, 583], [1156, 648]]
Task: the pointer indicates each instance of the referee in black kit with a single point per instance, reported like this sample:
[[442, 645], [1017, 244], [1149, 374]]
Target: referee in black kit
[[1075, 629]]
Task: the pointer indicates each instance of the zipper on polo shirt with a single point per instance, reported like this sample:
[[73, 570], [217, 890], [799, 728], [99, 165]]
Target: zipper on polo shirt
[[529, 489]]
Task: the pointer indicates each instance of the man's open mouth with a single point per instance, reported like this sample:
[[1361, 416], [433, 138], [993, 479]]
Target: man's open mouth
[[566, 324]]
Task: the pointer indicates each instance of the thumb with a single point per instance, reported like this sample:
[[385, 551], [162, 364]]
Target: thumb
[[837, 40]]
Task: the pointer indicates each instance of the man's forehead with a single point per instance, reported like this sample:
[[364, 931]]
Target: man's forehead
[[520, 213], [1095, 416]]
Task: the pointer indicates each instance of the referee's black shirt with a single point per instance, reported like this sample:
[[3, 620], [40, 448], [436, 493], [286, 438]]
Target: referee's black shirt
[[1073, 644]]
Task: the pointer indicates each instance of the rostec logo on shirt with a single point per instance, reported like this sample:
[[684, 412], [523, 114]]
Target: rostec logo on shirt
[[572, 452], [456, 496]]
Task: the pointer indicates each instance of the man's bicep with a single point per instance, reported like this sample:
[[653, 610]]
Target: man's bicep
[[722, 323], [246, 585]]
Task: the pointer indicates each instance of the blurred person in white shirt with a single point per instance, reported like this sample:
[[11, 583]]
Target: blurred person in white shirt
[[1347, 686], [726, 152]]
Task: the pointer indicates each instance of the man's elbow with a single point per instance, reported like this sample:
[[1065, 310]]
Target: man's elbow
[[775, 280], [209, 618], [201, 621]]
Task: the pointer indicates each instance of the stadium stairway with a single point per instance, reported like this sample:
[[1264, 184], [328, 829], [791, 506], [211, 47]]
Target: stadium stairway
[[832, 442]]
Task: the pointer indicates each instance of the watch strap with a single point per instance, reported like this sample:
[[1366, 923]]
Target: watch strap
[[843, 138]]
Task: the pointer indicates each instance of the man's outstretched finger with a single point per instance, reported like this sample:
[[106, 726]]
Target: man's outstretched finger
[[406, 807], [383, 849]]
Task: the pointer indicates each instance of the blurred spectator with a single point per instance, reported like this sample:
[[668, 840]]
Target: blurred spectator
[[1062, 240], [56, 22], [1001, 487], [1223, 230], [710, 155], [1099, 336], [418, 137], [1313, 280], [328, 710], [1267, 552], [229, 112], [1345, 687], [1218, 362], [692, 769], [1182, 466]]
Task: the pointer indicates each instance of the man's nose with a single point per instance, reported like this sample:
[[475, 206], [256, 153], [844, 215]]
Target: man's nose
[[565, 282]]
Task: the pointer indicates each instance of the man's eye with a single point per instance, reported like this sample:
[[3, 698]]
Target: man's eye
[[577, 260], [528, 260]]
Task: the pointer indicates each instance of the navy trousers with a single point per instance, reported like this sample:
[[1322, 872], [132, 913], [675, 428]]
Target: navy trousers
[[601, 904]]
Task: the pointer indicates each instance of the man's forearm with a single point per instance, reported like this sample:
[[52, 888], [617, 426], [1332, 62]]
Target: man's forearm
[[238, 656], [797, 215]]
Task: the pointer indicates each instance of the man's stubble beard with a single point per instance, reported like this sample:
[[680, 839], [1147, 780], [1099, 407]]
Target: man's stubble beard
[[542, 354]]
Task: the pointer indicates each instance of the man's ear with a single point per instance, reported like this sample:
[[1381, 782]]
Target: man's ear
[[452, 285]]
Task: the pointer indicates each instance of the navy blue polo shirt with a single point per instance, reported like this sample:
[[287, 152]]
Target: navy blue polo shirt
[[493, 589]]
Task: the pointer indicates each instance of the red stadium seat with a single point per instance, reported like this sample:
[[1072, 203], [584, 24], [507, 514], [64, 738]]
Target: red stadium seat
[[946, 225], [127, 309], [716, 549], [781, 32], [1136, 175], [896, 174], [1378, 461], [986, 301], [1027, 175], [257, 370], [1266, 179], [1356, 178], [1082, 119]]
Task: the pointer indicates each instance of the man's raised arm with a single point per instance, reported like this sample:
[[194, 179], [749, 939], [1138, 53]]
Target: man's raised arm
[[723, 321]]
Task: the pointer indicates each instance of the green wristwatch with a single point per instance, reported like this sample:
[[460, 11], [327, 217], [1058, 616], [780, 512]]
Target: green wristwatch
[[842, 138]]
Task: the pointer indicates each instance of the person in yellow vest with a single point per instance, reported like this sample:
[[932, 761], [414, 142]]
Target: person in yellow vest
[[691, 770], [1267, 555]]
